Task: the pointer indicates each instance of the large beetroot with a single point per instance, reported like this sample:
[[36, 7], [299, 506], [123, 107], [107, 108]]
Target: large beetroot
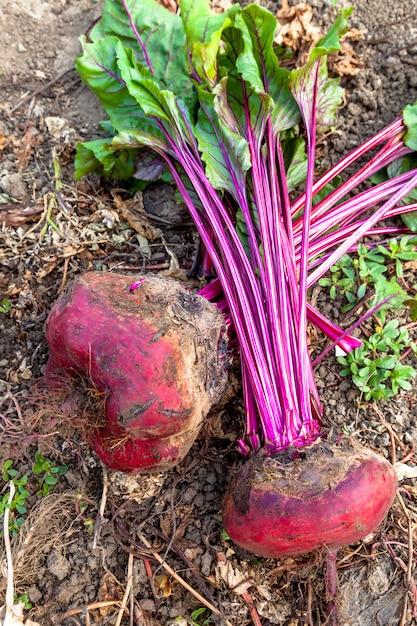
[[156, 353]]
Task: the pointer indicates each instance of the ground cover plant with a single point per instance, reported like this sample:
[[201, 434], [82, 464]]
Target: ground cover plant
[[375, 275], [236, 131], [44, 475]]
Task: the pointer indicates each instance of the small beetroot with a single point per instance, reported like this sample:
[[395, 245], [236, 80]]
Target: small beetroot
[[156, 352], [322, 496]]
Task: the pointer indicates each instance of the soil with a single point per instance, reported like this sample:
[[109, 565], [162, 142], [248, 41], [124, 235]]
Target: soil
[[44, 243]]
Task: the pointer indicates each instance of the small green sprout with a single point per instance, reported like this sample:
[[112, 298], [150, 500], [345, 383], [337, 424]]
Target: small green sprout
[[18, 507], [48, 472], [367, 274], [89, 525], [24, 599], [199, 613], [5, 305]]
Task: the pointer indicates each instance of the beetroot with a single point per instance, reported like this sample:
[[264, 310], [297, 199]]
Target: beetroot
[[155, 352], [327, 496]]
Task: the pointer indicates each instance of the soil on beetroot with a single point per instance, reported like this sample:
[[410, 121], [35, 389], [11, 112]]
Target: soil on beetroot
[[46, 239]]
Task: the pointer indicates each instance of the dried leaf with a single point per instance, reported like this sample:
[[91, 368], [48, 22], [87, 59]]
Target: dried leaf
[[133, 212], [29, 140], [144, 619], [164, 584], [109, 588], [174, 270], [144, 246], [264, 591], [14, 215], [347, 62], [182, 519], [217, 5], [193, 553], [235, 580], [276, 612], [221, 5], [297, 31], [165, 524], [49, 266], [4, 141]]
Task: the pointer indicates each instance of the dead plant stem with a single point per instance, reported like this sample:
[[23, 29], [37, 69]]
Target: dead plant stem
[[127, 590], [178, 578], [100, 518], [9, 559]]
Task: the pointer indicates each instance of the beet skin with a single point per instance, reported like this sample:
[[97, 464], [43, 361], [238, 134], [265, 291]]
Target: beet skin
[[157, 354], [328, 496]]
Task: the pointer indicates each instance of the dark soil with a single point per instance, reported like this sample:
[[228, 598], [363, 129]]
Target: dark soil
[[178, 512]]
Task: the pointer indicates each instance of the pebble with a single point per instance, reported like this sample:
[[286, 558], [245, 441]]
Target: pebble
[[72, 478], [148, 605], [35, 595], [14, 184], [211, 478], [189, 495], [58, 565], [200, 500], [206, 561], [176, 611], [65, 593]]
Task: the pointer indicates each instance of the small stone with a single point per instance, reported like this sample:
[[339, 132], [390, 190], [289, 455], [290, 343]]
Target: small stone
[[14, 185], [199, 500], [65, 593], [148, 605], [72, 478], [35, 595], [206, 561], [58, 128], [21, 47], [58, 564], [189, 495], [92, 562], [211, 478], [378, 581]]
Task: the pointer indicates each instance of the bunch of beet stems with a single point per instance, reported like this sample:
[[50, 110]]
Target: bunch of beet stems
[[266, 292]]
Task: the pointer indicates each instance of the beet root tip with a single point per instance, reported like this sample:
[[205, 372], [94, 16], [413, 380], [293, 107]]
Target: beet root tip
[[329, 496]]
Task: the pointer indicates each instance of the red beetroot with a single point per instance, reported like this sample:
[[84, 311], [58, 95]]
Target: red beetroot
[[329, 496], [157, 353]]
